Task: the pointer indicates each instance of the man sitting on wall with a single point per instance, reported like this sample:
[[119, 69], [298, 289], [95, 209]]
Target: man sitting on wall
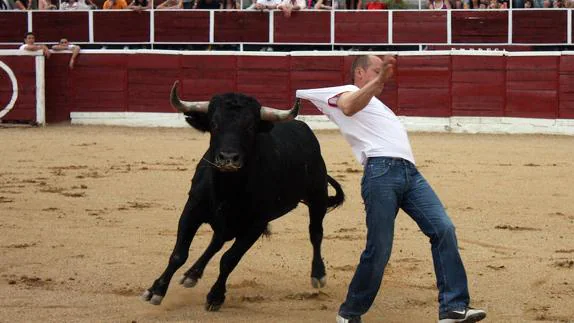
[[64, 44]]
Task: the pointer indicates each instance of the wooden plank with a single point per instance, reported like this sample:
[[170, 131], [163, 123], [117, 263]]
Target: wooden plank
[[303, 27], [414, 27], [361, 27], [539, 26], [479, 26], [121, 26], [241, 26], [51, 26], [181, 26], [14, 26]]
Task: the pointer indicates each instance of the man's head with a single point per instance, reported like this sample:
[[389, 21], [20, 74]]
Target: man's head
[[29, 38], [64, 41], [365, 68]]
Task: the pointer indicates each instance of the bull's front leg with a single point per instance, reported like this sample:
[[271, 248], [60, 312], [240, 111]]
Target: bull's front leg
[[191, 276], [189, 222], [229, 260]]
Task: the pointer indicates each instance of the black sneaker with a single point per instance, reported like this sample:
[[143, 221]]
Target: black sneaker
[[468, 315], [341, 319]]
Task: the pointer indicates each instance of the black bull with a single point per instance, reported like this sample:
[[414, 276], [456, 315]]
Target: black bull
[[253, 172]]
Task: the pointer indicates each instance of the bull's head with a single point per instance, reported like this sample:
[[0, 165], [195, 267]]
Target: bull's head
[[233, 120]]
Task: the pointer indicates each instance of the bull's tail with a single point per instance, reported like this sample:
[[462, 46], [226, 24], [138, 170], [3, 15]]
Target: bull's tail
[[335, 201]]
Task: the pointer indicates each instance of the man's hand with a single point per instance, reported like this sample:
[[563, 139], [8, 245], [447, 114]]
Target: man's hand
[[389, 63]]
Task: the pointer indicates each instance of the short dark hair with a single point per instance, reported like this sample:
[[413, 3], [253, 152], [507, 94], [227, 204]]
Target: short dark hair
[[362, 61], [29, 33]]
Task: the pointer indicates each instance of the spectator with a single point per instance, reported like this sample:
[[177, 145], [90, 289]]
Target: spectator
[[46, 5], [267, 4], [187, 4], [373, 5], [528, 4], [493, 4], [170, 4], [115, 4], [69, 5], [208, 4], [64, 44], [557, 4], [288, 6], [30, 45], [231, 4], [440, 4], [4, 5], [325, 5], [503, 4], [23, 4], [86, 5], [140, 5]]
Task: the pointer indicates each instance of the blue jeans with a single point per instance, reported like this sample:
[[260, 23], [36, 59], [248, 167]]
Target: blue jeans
[[387, 185]]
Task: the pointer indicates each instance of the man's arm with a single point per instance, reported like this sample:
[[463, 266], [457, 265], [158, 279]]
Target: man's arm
[[353, 102]]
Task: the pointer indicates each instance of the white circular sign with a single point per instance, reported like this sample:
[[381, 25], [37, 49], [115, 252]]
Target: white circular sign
[[6, 109]]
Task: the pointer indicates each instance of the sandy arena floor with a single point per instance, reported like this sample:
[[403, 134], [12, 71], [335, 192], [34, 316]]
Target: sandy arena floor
[[88, 217]]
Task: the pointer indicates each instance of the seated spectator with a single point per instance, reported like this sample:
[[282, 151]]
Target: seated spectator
[[503, 4], [527, 3], [208, 4], [30, 45], [558, 4], [493, 4], [170, 4], [64, 44], [140, 5], [46, 5], [231, 4], [23, 4], [373, 5], [115, 4], [324, 4], [86, 5], [4, 5], [267, 4], [288, 6], [440, 4], [69, 5]]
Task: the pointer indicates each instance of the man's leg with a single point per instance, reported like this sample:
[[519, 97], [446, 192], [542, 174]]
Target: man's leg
[[423, 205], [380, 185]]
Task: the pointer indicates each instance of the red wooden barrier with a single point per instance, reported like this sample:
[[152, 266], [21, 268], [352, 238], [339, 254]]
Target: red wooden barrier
[[14, 26], [566, 90], [303, 27], [181, 26], [362, 27], [24, 69], [237, 27], [50, 26], [532, 86], [121, 26], [539, 26], [479, 27], [412, 27]]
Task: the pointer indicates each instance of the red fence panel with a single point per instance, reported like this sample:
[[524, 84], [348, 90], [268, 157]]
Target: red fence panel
[[181, 26], [14, 26], [50, 26], [532, 86], [204, 76], [302, 27], [24, 69], [424, 86], [479, 26], [238, 26], [309, 72], [425, 27], [539, 26], [265, 78], [478, 85], [566, 90], [121, 26], [362, 27]]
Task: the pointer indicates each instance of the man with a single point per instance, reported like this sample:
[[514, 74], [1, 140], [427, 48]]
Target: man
[[390, 181], [64, 44], [30, 45]]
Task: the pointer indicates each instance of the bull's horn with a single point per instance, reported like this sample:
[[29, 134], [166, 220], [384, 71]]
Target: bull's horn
[[275, 115], [185, 106]]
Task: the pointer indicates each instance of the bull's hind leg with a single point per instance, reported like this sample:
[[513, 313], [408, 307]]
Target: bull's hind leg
[[229, 260], [189, 222], [317, 210], [194, 273]]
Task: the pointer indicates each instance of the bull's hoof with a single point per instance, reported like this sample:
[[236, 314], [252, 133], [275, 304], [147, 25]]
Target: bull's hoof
[[148, 296], [319, 282], [188, 282], [212, 307]]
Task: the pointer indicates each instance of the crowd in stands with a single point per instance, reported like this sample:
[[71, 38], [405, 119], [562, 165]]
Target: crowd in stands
[[287, 6]]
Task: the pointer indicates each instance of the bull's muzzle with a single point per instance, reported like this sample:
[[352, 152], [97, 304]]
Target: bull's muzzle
[[228, 161]]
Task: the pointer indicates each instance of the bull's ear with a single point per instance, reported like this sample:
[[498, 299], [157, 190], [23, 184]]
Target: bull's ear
[[198, 120], [265, 126]]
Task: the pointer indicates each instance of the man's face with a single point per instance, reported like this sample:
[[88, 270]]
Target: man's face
[[371, 72], [30, 39], [64, 42]]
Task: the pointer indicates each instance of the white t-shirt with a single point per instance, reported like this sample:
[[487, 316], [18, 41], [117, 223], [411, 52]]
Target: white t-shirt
[[375, 131], [269, 2]]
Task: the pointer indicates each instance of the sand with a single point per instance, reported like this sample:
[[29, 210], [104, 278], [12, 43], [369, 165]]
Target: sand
[[88, 219]]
